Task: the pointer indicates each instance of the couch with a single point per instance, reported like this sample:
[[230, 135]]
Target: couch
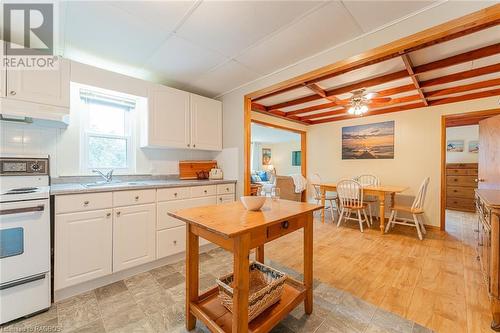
[[287, 188]]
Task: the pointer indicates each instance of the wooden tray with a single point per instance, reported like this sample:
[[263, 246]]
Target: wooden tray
[[188, 169]]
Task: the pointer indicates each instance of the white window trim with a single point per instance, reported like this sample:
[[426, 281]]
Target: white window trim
[[85, 133]]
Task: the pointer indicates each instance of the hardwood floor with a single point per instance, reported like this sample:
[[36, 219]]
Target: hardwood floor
[[436, 282]]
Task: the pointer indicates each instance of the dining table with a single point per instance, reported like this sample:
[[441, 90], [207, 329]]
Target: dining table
[[379, 191]]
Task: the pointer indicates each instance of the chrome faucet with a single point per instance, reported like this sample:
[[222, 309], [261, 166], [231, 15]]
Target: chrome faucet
[[108, 177]]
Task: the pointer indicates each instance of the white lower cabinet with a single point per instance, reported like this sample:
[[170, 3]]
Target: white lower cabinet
[[97, 234], [171, 241], [83, 247], [133, 236]]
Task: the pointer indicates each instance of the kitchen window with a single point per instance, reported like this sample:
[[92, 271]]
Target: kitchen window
[[107, 119]]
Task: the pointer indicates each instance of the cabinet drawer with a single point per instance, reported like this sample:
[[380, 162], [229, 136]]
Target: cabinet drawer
[[203, 191], [460, 192], [461, 172], [134, 197], [225, 198], [225, 188], [460, 204], [461, 181], [283, 228], [163, 220], [167, 194], [83, 202], [170, 241]]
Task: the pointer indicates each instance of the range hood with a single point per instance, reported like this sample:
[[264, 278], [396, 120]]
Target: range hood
[[27, 112]]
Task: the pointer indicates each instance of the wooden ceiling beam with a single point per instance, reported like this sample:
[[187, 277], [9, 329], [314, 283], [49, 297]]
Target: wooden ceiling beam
[[371, 113], [258, 106], [458, 27], [467, 97], [277, 115], [461, 75], [318, 90], [482, 52], [414, 79], [463, 88], [368, 83], [323, 114]]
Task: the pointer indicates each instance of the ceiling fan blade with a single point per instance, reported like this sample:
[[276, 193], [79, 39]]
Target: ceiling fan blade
[[371, 95], [380, 100]]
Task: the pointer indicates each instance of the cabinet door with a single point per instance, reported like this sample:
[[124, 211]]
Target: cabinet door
[[83, 247], [3, 71], [133, 236], [206, 123], [41, 86], [167, 122]]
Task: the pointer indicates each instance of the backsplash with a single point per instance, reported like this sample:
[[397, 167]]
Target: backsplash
[[61, 146]]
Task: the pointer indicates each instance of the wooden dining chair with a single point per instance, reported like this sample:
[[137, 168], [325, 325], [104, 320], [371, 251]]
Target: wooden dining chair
[[330, 197], [416, 209], [350, 193], [369, 180]]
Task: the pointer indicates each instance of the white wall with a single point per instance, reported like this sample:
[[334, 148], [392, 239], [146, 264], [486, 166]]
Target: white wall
[[423, 156], [63, 145], [466, 133], [281, 156]]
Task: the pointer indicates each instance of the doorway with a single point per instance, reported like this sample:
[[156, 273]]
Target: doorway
[[459, 160], [273, 151]]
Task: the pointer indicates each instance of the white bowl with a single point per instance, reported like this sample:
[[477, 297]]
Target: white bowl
[[253, 202]]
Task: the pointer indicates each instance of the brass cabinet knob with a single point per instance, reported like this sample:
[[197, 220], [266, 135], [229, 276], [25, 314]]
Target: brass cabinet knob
[[136, 198], [118, 213], [12, 92], [86, 203], [108, 214]]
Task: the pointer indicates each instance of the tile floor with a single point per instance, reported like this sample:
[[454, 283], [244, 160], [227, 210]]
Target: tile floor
[[154, 302]]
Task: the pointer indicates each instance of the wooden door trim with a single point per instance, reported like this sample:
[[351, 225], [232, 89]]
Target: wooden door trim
[[452, 120], [248, 138]]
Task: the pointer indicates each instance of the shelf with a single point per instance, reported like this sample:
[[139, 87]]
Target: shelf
[[217, 318]]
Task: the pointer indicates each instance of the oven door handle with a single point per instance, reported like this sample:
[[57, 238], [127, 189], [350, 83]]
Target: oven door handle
[[19, 282], [38, 208]]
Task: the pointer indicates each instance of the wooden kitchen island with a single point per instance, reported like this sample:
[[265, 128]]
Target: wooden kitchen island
[[237, 230]]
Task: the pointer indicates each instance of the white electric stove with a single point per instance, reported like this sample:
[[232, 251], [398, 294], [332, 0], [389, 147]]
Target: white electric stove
[[24, 237]]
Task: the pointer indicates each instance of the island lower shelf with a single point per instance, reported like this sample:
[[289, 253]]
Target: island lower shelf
[[219, 319]]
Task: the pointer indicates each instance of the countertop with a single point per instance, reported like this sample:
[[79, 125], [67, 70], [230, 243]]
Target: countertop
[[490, 197], [74, 188]]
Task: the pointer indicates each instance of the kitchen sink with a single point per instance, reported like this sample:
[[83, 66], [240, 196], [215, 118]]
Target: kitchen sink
[[113, 184]]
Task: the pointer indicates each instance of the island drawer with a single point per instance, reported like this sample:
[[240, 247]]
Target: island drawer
[[83, 202], [280, 229]]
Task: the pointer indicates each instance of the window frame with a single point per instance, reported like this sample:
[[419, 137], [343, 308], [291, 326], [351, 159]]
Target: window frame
[[86, 133]]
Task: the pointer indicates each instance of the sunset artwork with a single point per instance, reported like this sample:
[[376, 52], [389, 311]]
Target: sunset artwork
[[371, 141]]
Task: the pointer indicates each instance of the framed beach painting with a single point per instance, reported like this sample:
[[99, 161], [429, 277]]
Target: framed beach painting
[[455, 146], [371, 141], [266, 156], [474, 146]]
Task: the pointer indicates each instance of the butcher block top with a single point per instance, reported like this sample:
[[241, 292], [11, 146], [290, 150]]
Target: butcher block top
[[490, 197], [232, 219]]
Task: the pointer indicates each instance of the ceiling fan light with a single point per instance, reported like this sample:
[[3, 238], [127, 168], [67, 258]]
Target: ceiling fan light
[[364, 109], [351, 110]]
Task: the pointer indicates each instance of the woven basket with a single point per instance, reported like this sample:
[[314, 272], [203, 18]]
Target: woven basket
[[266, 287]]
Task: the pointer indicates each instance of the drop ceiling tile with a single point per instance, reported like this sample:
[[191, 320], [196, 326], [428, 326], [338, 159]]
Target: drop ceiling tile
[[372, 14], [321, 29], [165, 15], [109, 32], [456, 46], [231, 26], [224, 78], [182, 61], [286, 96]]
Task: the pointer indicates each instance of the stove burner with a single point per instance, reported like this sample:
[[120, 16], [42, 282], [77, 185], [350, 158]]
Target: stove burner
[[22, 190]]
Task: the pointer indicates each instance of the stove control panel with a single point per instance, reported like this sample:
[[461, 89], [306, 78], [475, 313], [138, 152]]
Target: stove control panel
[[15, 166]]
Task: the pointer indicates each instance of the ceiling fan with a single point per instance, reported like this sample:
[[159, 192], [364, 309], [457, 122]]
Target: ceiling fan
[[361, 99]]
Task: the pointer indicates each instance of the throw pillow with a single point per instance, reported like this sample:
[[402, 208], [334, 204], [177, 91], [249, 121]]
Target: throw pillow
[[263, 176]]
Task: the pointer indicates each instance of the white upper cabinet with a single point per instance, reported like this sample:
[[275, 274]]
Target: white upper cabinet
[[49, 87], [206, 123], [166, 122], [178, 119]]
